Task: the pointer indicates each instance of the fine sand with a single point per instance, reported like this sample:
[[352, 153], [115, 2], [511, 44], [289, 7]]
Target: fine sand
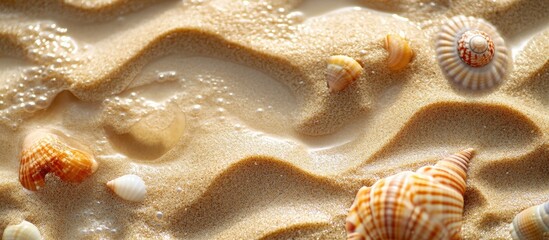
[[222, 108]]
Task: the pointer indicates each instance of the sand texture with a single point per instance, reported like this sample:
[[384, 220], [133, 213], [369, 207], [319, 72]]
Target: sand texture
[[222, 108]]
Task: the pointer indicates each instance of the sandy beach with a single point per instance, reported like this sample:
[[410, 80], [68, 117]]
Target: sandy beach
[[222, 108]]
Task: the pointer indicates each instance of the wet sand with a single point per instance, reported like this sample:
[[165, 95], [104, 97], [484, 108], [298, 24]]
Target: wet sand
[[248, 141]]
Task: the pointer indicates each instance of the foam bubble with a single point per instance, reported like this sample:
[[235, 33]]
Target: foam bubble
[[34, 88]]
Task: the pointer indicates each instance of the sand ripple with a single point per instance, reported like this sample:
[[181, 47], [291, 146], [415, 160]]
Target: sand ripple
[[256, 191], [250, 164]]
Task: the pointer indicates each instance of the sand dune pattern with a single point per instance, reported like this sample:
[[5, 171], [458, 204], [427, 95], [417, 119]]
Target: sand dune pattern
[[266, 152]]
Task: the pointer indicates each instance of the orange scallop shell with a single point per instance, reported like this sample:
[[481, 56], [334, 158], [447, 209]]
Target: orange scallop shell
[[46, 151], [426, 204]]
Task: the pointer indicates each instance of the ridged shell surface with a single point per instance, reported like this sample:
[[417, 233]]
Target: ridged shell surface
[[22, 231], [46, 151], [341, 72], [129, 187], [400, 52], [426, 204], [471, 53], [532, 223]]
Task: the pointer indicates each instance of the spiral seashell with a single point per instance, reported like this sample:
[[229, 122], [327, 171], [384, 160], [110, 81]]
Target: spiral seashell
[[426, 204], [400, 52], [471, 53], [22, 231], [129, 187], [532, 223], [342, 71], [48, 150]]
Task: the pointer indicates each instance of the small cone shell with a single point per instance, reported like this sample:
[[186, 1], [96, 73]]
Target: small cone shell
[[341, 72], [400, 52], [22, 231], [426, 204], [129, 187], [532, 223], [46, 151]]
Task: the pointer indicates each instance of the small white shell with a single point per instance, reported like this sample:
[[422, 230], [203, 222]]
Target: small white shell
[[471, 53], [129, 187], [22, 231], [342, 71], [532, 223]]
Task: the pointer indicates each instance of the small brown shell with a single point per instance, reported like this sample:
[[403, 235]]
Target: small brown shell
[[342, 71], [46, 151], [400, 52]]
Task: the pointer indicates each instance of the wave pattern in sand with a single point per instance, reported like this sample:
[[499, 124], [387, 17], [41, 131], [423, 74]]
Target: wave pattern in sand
[[267, 152]]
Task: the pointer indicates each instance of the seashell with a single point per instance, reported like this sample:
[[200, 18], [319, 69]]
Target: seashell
[[129, 187], [162, 128], [22, 231], [532, 223], [48, 150], [400, 52], [426, 204], [471, 53], [151, 135], [342, 71]]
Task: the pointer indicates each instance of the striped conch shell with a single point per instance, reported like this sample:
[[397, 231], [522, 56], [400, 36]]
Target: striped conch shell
[[22, 231], [48, 150], [426, 204], [471, 53], [342, 71], [532, 223], [129, 187], [400, 52]]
